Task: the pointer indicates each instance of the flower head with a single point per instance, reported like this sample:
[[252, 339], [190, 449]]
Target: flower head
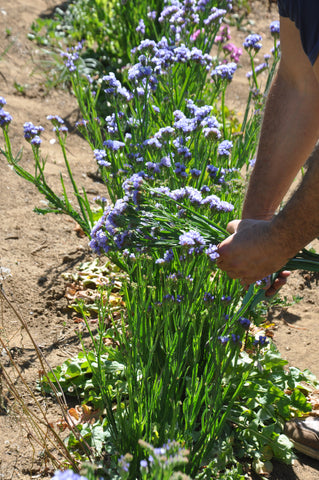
[[223, 34], [215, 16], [67, 475], [56, 120], [31, 131], [234, 52], [224, 71], [36, 141], [113, 145], [261, 341], [191, 238], [275, 28], [141, 27], [224, 148], [5, 118], [244, 322], [71, 56], [252, 42]]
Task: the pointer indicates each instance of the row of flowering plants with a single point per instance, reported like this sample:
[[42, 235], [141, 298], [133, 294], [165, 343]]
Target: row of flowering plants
[[189, 383]]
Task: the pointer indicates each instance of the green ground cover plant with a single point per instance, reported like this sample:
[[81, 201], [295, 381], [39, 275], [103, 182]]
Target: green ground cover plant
[[181, 379]]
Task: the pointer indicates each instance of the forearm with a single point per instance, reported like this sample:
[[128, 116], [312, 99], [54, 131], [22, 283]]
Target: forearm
[[297, 223], [289, 132]]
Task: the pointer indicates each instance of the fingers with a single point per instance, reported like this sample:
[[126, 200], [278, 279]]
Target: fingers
[[280, 281]]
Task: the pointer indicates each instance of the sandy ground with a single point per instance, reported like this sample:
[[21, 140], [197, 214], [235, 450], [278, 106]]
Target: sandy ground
[[38, 249]]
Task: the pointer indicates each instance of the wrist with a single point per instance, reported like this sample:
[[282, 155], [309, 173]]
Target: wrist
[[257, 214], [284, 238]]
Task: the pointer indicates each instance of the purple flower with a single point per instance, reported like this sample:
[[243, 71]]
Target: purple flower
[[223, 339], [195, 172], [194, 195], [141, 27], [212, 133], [199, 57], [155, 167], [36, 141], [224, 71], [132, 186], [143, 464], [216, 14], [208, 297], [186, 125], [113, 145], [138, 72], [67, 475], [224, 148], [168, 297], [81, 123], [165, 162], [147, 46], [244, 322], [236, 339], [71, 56], [56, 120], [226, 298], [275, 28], [252, 42], [5, 118], [223, 34], [112, 84], [217, 204], [124, 463], [260, 68], [180, 169], [191, 238], [212, 252], [2, 101], [100, 156], [111, 124], [235, 52], [261, 341], [30, 130], [165, 132], [225, 207], [152, 14], [152, 143]]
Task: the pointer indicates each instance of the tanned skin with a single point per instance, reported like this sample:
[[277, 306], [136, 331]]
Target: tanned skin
[[263, 241]]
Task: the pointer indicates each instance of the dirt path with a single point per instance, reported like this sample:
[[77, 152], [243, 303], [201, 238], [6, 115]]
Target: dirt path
[[37, 249]]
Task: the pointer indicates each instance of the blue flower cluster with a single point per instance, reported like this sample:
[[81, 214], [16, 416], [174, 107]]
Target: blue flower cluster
[[224, 71], [195, 197], [67, 475], [58, 123], [181, 16], [232, 338], [5, 117], [201, 119], [113, 87], [71, 56], [101, 156], [32, 133], [224, 148], [252, 42], [275, 28]]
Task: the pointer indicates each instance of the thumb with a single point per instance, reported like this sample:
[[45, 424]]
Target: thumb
[[232, 226]]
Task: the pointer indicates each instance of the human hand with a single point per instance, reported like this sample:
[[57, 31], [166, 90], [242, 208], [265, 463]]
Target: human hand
[[252, 252]]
